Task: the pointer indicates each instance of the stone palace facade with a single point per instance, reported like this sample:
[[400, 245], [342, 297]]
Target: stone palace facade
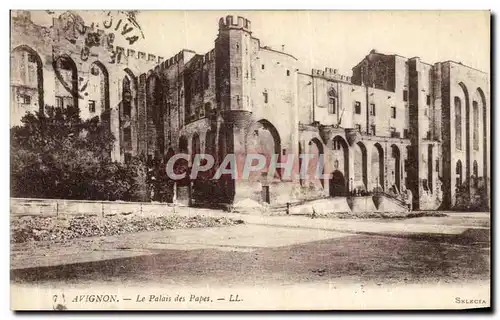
[[397, 123]]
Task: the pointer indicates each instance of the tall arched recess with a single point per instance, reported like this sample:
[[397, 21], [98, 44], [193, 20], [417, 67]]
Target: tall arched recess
[[66, 72], [467, 130], [378, 166], [99, 78], [32, 77], [484, 115], [154, 112], [268, 142]]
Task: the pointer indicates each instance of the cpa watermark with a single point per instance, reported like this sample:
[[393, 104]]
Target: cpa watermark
[[302, 166]]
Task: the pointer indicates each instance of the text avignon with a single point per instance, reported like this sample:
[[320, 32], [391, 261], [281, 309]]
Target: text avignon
[[96, 298]]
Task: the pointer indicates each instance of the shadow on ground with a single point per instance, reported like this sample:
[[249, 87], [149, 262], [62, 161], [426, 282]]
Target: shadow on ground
[[380, 258]]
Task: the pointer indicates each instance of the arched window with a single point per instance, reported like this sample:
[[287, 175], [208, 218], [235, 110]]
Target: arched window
[[458, 123], [66, 88], [26, 80], [332, 101]]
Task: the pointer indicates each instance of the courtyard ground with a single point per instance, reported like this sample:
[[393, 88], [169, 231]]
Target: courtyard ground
[[280, 250]]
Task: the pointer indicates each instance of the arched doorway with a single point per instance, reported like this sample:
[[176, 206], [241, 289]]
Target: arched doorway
[[337, 184], [360, 167], [377, 167], [340, 159], [396, 158], [315, 151], [264, 139]]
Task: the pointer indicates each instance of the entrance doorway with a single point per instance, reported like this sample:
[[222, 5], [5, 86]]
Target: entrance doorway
[[337, 184]]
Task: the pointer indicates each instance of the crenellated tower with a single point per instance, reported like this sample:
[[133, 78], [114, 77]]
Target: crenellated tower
[[232, 54]]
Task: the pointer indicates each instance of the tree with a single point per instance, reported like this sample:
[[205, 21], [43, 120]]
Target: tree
[[56, 154]]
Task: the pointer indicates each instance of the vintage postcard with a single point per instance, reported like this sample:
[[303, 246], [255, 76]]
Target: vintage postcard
[[253, 160]]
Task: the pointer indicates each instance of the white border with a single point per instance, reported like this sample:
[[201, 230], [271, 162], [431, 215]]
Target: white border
[[211, 5]]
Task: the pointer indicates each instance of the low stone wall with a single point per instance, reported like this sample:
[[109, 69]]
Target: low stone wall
[[58, 207]]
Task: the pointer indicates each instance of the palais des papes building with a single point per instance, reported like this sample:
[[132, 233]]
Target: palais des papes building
[[397, 123]]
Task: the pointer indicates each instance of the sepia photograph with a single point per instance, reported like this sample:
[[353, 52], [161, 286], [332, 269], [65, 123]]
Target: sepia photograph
[[250, 160]]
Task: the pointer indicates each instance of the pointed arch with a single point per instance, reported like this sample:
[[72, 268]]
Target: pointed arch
[[360, 166], [396, 157], [66, 80], [99, 71], [19, 55], [467, 128], [483, 113], [377, 166], [341, 154], [266, 140], [317, 153]]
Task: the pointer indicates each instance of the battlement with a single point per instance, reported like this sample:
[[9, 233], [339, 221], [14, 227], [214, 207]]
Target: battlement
[[133, 54], [233, 22], [330, 73], [125, 52]]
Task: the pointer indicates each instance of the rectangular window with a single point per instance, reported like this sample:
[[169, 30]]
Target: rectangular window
[[372, 109], [265, 97], [91, 106], [393, 112], [372, 130], [288, 73], [332, 106], [263, 67], [128, 157], [406, 132], [392, 130], [357, 107], [358, 127], [25, 99], [428, 100], [437, 165], [59, 102], [405, 95]]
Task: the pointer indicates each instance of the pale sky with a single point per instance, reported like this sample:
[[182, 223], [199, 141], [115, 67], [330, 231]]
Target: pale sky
[[319, 39]]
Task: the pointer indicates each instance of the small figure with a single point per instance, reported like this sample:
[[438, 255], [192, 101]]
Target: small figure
[[409, 199]]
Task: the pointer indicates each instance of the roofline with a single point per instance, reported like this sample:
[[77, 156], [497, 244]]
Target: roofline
[[464, 65], [273, 50]]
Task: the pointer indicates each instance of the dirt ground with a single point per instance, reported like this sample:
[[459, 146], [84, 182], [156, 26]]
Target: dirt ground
[[254, 254]]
